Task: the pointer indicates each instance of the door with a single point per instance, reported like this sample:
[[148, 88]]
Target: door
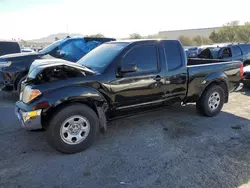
[[237, 53], [143, 86], [176, 76]]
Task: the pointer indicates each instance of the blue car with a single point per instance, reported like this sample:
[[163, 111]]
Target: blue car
[[73, 48], [15, 67], [191, 51]]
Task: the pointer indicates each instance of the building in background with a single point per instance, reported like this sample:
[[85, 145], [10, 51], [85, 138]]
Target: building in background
[[175, 34]]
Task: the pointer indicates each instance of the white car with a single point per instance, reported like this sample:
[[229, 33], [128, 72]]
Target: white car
[[26, 50]]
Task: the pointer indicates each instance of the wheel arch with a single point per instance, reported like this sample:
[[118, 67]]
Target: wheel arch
[[216, 79], [76, 95], [46, 117]]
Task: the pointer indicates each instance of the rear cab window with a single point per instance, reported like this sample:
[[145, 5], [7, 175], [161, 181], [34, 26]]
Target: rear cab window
[[144, 57], [174, 55]]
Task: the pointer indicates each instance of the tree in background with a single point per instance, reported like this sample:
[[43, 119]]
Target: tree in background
[[135, 36], [214, 36], [56, 38], [244, 32], [156, 37], [201, 40], [186, 41], [228, 33]]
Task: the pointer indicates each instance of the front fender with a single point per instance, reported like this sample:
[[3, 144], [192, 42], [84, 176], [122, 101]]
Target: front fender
[[73, 93], [51, 100]]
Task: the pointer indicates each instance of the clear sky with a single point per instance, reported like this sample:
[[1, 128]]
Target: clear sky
[[32, 19]]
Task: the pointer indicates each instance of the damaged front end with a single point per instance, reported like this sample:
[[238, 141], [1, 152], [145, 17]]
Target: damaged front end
[[33, 105], [45, 71]]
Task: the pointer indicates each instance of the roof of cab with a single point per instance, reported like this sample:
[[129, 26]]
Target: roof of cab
[[130, 41]]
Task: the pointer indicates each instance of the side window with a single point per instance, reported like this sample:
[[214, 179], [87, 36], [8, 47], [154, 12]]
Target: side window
[[226, 53], [73, 50], [236, 51], [173, 53], [246, 48], [67, 48], [79, 43], [144, 57]]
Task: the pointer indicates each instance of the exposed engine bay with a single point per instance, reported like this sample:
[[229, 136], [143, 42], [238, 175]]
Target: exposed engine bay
[[60, 72]]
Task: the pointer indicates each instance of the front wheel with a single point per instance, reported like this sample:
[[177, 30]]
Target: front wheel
[[73, 129], [211, 101]]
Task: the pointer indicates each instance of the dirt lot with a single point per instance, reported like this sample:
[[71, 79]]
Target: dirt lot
[[173, 147]]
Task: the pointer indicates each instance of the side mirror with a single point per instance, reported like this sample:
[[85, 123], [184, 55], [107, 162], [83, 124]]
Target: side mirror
[[128, 68]]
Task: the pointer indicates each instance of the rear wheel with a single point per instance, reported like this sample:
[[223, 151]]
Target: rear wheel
[[73, 129], [211, 101]]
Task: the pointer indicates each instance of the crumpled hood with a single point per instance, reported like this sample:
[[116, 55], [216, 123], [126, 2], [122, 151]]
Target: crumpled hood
[[40, 65], [43, 62]]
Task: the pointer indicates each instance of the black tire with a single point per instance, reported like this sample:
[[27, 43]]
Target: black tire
[[203, 106], [19, 85], [53, 130]]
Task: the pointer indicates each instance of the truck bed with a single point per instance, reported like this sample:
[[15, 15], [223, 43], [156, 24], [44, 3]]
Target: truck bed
[[199, 61], [204, 69]]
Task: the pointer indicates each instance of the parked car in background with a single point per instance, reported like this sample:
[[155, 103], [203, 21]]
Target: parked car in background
[[231, 52], [73, 101], [194, 51], [246, 79], [191, 51], [14, 68], [25, 50], [9, 47]]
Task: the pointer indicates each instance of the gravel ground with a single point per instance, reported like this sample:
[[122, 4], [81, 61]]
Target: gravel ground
[[173, 147]]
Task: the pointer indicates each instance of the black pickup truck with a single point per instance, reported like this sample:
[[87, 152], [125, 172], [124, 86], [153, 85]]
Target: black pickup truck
[[74, 101]]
